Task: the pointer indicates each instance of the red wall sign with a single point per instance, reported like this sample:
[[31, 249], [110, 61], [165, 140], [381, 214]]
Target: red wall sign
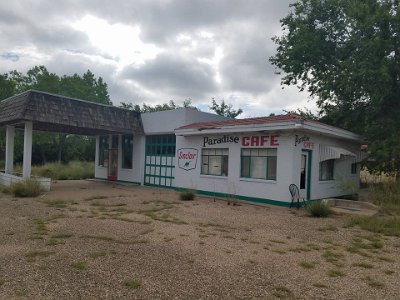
[[260, 141]]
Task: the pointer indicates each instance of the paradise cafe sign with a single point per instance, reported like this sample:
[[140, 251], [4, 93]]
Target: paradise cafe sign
[[245, 141]]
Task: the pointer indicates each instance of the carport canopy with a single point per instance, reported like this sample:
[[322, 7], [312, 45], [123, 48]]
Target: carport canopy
[[36, 110]]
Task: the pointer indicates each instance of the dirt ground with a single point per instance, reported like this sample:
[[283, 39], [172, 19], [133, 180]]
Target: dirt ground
[[94, 240]]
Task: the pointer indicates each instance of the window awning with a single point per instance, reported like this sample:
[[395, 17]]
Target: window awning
[[329, 152]]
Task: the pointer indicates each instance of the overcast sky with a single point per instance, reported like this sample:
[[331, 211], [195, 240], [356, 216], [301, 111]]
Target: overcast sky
[[155, 51]]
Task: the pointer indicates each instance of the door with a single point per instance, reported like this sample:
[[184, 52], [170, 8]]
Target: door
[[113, 164], [113, 159], [305, 174]]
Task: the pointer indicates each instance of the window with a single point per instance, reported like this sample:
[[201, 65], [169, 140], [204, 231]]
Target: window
[[103, 151], [127, 151], [326, 169], [259, 163], [214, 162], [354, 168], [161, 145]]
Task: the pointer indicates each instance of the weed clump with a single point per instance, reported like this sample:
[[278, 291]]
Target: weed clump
[[26, 188], [187, 195], [319, 209]]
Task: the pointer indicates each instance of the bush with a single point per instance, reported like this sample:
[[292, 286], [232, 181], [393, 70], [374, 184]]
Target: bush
[[377, 224], [319, 209], [187, 195], [26, 188], [386, 193], [71, 170]]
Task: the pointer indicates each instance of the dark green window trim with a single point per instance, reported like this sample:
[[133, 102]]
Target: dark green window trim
[[215, 157], [327, 170], [248, 155], [127, 151], [103, 151]]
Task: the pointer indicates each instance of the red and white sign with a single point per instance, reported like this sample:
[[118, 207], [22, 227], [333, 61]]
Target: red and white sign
[[187, 158], [260, 141]]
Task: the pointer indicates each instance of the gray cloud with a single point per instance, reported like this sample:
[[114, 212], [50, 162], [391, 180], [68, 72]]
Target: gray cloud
[[173, 76], [10, 56], [40, 32]]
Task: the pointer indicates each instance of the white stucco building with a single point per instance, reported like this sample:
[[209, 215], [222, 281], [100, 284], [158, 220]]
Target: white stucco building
[[252, 159]]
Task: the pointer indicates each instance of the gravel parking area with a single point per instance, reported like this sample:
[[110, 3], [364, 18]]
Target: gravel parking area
[[96, 240]]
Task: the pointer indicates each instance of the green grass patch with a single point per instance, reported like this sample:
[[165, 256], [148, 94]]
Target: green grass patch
[[57, 203], [307, 264], [71, 170], [378, 224], [282, 292], [319, 209], [2, 281], [96, 254], [333, 257], [32, 255], [388, 272], [133, 283], [187, 195], [373, 282], [328, 228], [26, 188], [319, 285], [62, 235], [335, 273], [79, 265], [364, 265]]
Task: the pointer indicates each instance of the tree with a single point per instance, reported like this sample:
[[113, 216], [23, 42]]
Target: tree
[[224, 109], [346, 55], [187, 103]]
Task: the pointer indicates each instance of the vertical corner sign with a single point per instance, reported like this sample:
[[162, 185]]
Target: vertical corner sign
[[187, 158]]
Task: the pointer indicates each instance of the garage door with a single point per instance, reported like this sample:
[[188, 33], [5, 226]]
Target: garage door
[[159, 160]]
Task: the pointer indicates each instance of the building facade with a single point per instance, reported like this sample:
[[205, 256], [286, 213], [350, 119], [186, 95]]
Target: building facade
[[252, 159]]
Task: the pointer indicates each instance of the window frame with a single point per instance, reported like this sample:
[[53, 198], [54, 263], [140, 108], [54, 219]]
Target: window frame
[[353, 168], [330, 176], [128, 166], [104, 145], [224, 161], [267, 162]]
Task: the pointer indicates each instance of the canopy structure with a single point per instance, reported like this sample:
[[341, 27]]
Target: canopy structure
[[55, 113], [35, 110]]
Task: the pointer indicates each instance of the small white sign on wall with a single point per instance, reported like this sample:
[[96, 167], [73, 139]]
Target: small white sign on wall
[[187, 158]]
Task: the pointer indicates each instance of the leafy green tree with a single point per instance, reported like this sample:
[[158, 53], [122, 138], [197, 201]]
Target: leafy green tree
[[187, 103], [346, 55], [224, 109]]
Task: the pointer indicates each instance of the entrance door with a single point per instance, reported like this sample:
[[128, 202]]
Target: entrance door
[[113, 159], [113, 164], [305, 172]]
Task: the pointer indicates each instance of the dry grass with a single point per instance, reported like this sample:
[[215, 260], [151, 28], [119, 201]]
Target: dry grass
[[135, 242]]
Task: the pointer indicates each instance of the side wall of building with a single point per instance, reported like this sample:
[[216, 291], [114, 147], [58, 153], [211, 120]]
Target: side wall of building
[[233, 184]]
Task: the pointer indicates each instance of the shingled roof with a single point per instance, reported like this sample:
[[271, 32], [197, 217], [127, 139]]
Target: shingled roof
[[238, 122], [56, 113]]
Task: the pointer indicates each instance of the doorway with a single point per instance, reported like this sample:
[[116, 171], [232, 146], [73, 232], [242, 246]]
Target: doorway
[[305, 174], [113, 159]]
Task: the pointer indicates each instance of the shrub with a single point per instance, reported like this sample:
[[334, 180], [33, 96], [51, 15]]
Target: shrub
[[26, 188], [319, 209], [386, 194], [71, 170], [187, 195]]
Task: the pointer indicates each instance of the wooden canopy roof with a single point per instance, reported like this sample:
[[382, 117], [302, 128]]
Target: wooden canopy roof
[[55, 113]]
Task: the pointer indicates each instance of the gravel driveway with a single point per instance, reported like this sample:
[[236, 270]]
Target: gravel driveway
[[95, 240]]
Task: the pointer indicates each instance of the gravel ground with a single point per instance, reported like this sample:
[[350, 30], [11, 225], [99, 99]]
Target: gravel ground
[[94, 240]]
